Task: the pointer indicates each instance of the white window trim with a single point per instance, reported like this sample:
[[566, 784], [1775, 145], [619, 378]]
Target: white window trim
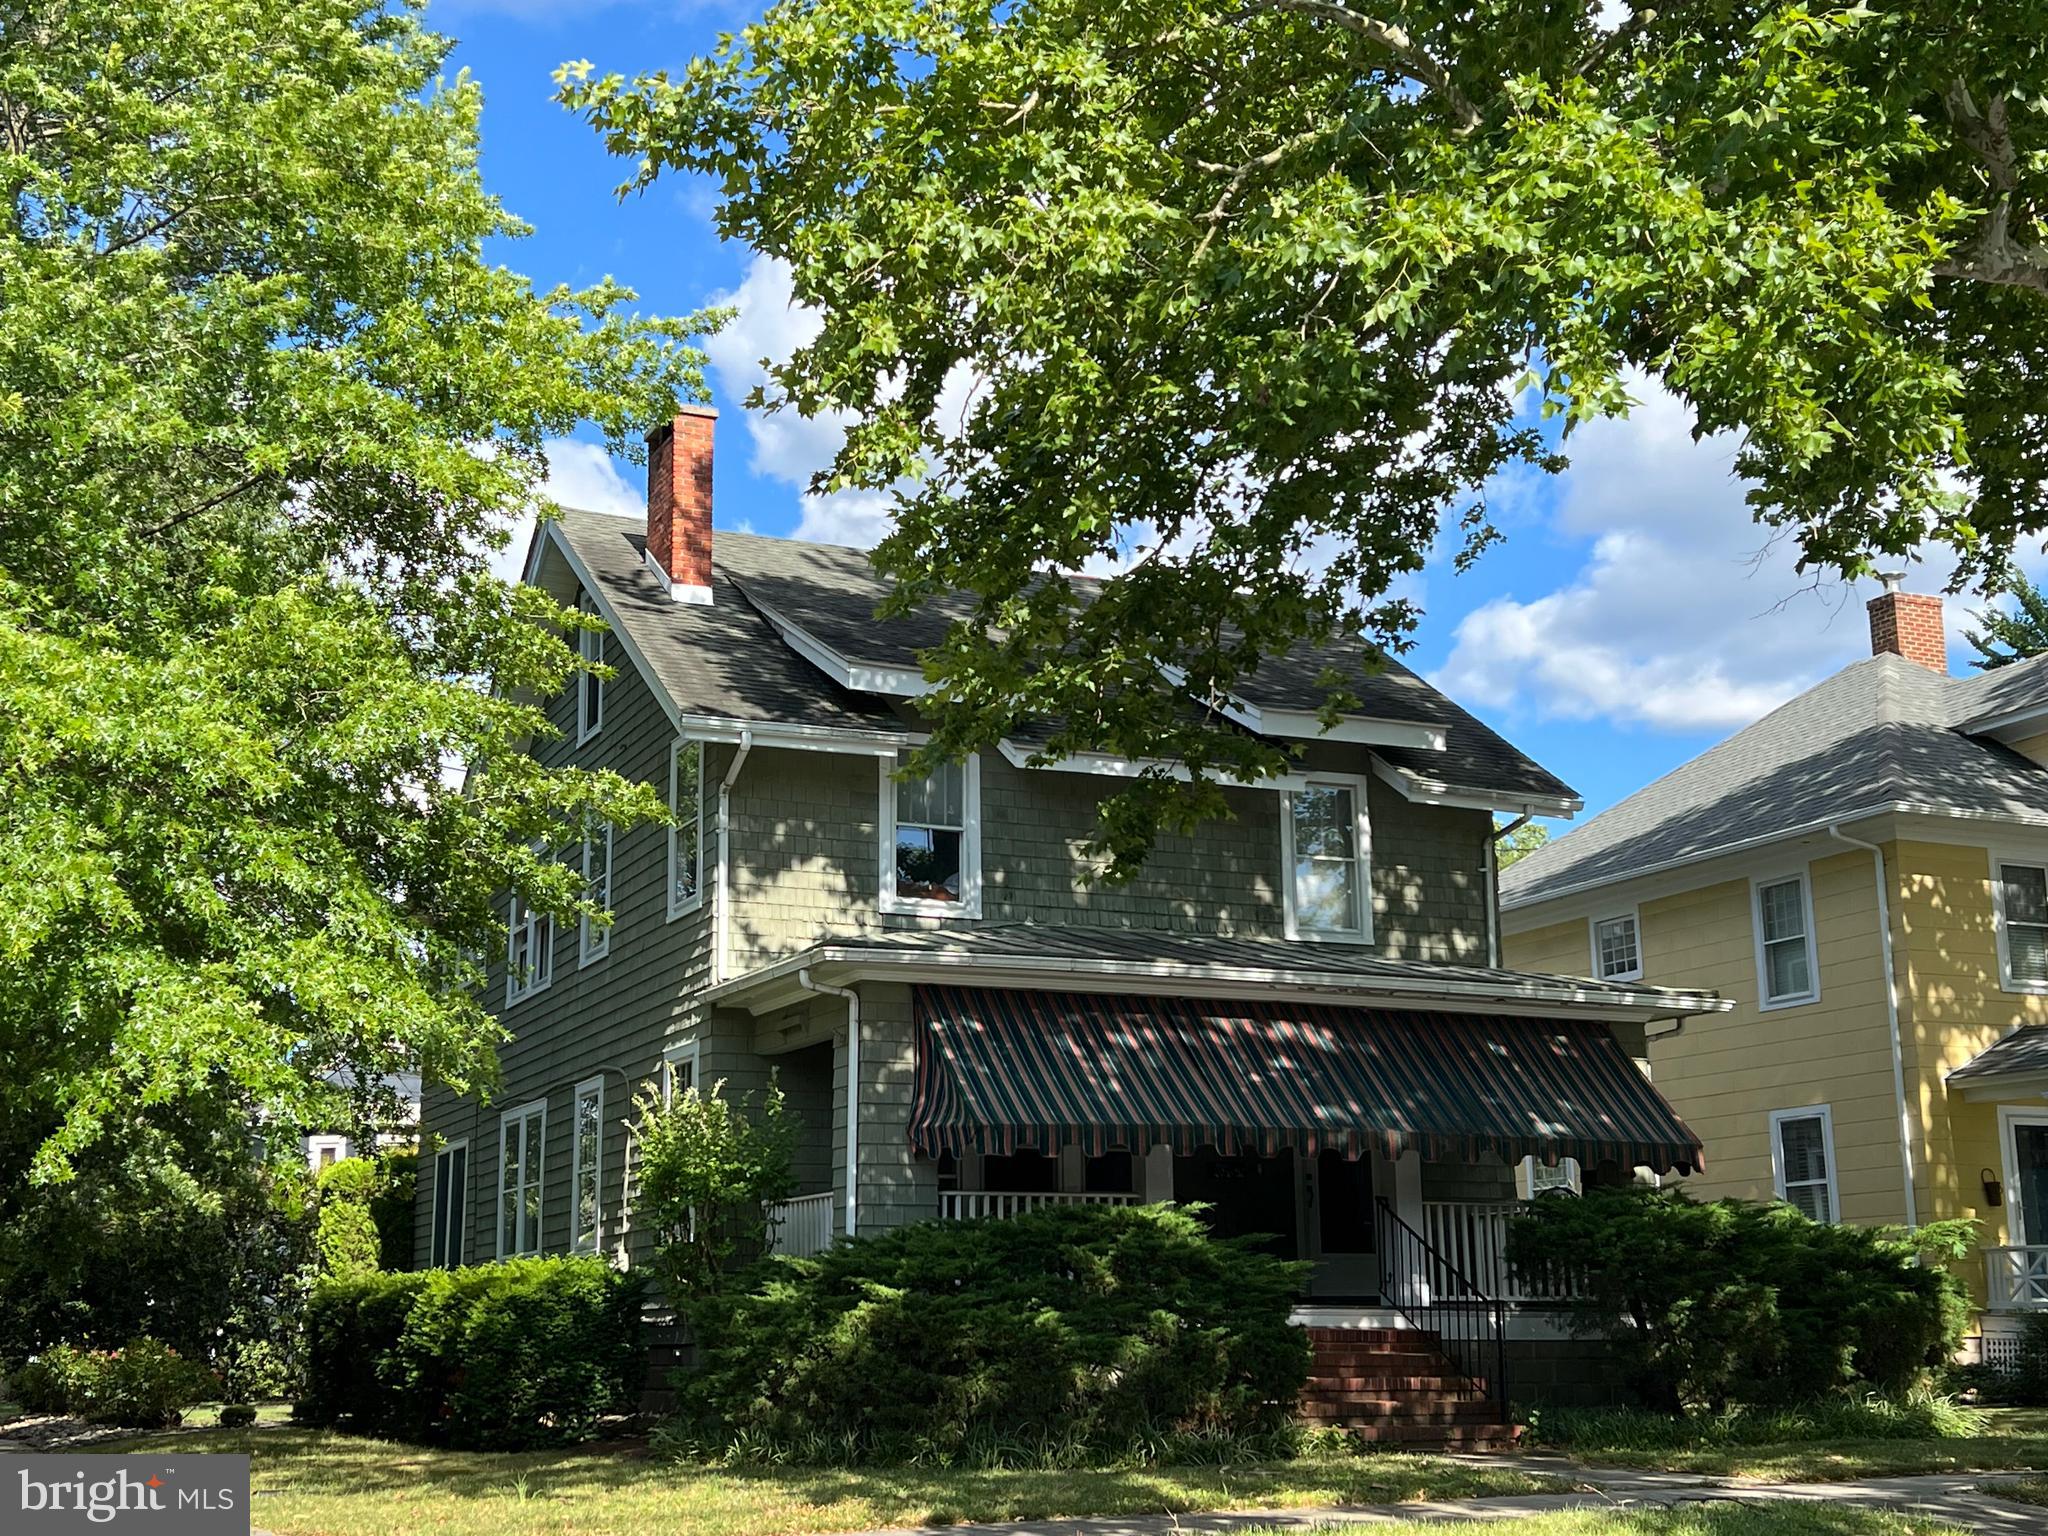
[[590, 645], [594, 941], [461, 1229], [1764, 1002], [2010, 1118], [1827, 1143], [1635, 918], [315, 1145], [677, 1051], [537, 1146], [577, 1241], [1361, 834], [533, 922], [2006, 980], [969, 904], [676, 748]]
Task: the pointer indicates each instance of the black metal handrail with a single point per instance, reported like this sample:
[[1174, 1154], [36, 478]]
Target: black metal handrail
[[1434, 1294]]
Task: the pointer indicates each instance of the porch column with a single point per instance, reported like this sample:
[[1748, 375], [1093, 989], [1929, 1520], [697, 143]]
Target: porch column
[[1408, 1206], [1158, 1172]]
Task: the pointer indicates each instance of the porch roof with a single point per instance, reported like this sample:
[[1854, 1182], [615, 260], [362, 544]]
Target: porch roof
[[1080, 959], [2020, 1059], [1002, 1070]]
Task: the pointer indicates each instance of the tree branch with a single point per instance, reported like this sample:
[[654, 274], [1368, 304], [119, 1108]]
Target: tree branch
[[247, 482], [1239, 175], [1993, 256], [1420, 67]]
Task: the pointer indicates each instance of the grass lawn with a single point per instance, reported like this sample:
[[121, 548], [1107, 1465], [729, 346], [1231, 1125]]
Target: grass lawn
[[318, 1483], [2012, 1438], [1690, 1520]]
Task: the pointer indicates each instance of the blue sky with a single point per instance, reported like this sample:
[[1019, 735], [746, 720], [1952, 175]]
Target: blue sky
[[1633, 617]]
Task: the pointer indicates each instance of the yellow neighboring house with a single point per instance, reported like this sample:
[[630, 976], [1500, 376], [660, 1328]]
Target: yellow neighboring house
[[1864, 872]]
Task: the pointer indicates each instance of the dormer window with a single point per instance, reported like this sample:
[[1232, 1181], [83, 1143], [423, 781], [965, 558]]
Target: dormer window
[[1326, 840], [931, 839]]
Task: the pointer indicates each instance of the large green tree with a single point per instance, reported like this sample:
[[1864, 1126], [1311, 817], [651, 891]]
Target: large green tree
[[1256, 292], [266, 405]]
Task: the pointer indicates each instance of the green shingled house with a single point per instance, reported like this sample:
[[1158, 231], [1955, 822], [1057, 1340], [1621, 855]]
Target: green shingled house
[[1297, 1017]]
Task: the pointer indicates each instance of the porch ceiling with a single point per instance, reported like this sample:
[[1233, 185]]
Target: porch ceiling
[[1002, 1070], [1079, 959]]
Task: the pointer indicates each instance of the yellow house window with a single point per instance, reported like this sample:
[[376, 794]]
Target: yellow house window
[[1803, 1161], [2023, 924]]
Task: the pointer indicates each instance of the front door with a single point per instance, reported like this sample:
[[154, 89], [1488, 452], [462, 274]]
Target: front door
[[1340, 1227], [2027, 1154], [1247, 1196]]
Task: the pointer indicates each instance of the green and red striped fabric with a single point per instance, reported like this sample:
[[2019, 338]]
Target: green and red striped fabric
[[998, 1071]]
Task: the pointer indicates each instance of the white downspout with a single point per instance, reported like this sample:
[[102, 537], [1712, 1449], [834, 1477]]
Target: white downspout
[[1891, 1003], [721, 940], [803, 979]]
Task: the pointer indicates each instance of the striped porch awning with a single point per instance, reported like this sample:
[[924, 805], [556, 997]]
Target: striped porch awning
[[1000, 1071]]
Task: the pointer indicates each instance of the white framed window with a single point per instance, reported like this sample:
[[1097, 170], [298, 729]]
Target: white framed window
[[1618, 947], [589, 686], [1786, 968], [323, 1152], [1541, 1178], [596, 937], [931, 839], [521, 1133], [686, 837], [2019, 903], [678, 1070], [1803, 1161], [1326, 849], [529, 953], [448, 1242], [587, 1157]]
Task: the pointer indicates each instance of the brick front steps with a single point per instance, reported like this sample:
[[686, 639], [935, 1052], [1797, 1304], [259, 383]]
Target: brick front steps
[[1394, 1386]]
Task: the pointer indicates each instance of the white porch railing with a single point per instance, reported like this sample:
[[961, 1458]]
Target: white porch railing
[[2017, 1278], [975, 1204], [1473, 1236], [802, 1226]]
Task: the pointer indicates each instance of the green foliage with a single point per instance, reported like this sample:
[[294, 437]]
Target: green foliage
[[1737, 1302], [1272, 294], [2006, 635], [508, 1356], [392, 1206], [1586, 1432], [144, 1384], [346, 1232], [1520, 843], [708, 1169], [1070, 1334], [271, 402], [237, 1415]]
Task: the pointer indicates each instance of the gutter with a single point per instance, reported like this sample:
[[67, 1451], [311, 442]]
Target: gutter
[[803, 979], [721, 942], [1891, 1008]]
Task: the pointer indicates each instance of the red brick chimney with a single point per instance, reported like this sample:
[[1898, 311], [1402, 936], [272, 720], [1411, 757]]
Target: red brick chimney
[[679, 503], [1908, 624]]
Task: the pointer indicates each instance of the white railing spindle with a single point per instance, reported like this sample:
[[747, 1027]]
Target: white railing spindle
[[802, 1226], [980, 1204], [2017, 1278]]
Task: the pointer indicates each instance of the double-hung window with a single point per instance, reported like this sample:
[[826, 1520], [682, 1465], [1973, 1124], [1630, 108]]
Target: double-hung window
[[1617, 948], [597, 882], [931, 837], [1803, 1161], [686, 835], [587, 1154], [451, 1206], [530, 954], [678, 1071], [520, 1134], [2022, 906], [1784, 944], [1324, 831], [589, 686]]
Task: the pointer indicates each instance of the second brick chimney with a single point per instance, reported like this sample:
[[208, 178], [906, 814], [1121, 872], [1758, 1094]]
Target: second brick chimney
[[679, 503], [1908, 624]]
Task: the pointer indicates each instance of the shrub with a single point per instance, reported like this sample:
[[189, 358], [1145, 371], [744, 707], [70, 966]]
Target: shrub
[[1737, 1302], [1070, 1333], [2029, 1373], [391, 1206], [525, 1353], [145, 1384], [1588, 1431], [709, 1169], [238, 1415]]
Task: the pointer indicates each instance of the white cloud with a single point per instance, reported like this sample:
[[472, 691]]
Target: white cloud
[[580, 475], [1686, 615]]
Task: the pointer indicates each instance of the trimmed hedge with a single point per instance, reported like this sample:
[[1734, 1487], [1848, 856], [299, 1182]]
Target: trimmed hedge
[[1074, 1331], [507, 1356]]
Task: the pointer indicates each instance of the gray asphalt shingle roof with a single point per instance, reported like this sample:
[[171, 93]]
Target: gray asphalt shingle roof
[[1881, 732], [726, 660], [2024, 1050]]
